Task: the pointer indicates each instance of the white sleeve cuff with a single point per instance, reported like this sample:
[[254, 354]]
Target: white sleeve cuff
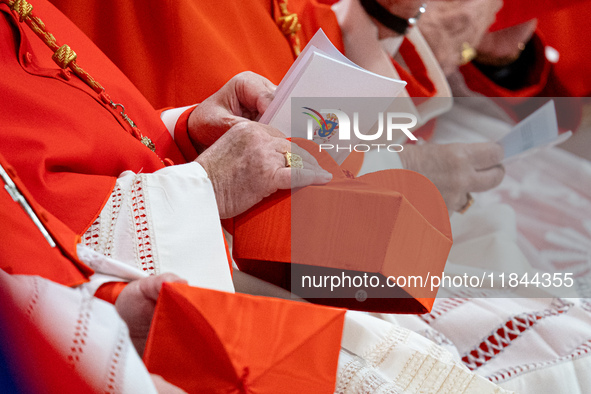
[[167, 221], [187, 225]]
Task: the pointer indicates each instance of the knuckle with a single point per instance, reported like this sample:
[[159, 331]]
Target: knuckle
[[245, 75], [241, 127], [250, 132]]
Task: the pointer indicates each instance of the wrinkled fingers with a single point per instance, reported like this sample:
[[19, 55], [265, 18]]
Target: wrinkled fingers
[[289, 178]]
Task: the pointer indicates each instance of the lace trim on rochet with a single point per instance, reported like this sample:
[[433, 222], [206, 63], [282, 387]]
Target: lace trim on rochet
[[145, 248]]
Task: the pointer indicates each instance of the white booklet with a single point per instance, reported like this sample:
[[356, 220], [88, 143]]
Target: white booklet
[[322, 71], [539, 130]]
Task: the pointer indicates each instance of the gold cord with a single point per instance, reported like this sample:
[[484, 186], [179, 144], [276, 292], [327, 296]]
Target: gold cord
[[290, 25], [65, 58]]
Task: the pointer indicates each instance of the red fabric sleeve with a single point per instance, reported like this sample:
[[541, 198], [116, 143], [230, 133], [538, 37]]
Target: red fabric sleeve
[[110, 291], [515, 12], [181, 136]]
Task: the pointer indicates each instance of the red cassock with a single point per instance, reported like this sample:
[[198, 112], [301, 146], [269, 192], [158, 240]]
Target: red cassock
[[179, 53], [568, 30], [543, 80], [68, 144], [561, 26], [24, 249]]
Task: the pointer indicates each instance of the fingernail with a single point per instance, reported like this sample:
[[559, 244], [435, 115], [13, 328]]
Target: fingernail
[[327, 176]]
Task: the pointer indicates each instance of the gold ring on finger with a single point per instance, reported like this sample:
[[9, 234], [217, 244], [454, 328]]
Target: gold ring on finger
[[293, 160], [468, 204]]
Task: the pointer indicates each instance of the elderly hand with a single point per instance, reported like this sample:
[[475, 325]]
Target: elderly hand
[[449, 25], [244, 97], [248, 164], [503, 47], [457, 169], [136, 305]]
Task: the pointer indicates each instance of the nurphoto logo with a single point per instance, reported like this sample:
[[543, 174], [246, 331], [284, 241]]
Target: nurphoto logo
[[330, 127]]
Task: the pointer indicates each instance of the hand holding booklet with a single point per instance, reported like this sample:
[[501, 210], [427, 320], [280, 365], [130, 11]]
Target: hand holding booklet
[[322, 71], [371, 225]]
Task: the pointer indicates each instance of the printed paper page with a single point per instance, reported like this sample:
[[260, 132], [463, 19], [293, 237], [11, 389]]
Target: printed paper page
[[322, 71], [538, 130]]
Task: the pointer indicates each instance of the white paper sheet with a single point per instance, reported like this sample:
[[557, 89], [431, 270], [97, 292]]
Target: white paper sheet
[[539, 130], [322, 71]]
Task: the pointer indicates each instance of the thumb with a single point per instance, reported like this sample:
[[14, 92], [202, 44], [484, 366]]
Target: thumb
[[254, 92]]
